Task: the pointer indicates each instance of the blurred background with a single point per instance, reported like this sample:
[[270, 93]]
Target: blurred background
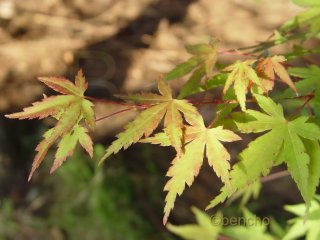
[[122, 46]]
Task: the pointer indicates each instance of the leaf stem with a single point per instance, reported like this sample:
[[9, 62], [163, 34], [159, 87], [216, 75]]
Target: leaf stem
[[275, 176], [108, 102], [299, 109], [218, 115], [121, 111], [195, 102], [236, 52]]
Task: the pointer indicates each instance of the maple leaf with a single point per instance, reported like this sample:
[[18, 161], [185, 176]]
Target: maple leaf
[[204, 56], [285, 142], [201, 141], [213, 228], [258, 230], [267, 70], [68, 143], [241, 76], [309, 18], [201, 65], [302, 225], [69, 109], [203, 230], [207, 53], [162, 106]]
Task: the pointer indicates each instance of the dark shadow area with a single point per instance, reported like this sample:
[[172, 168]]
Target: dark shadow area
[[110, 59]]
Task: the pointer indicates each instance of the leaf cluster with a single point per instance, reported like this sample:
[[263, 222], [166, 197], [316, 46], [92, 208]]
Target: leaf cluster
[[168, 121]]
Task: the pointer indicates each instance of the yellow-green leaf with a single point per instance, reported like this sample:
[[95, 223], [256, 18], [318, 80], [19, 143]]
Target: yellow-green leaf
[[161, 106], [69, 109], [241, 76], [201, 141]]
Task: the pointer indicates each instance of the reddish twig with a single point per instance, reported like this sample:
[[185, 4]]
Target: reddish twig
[[121, 111], [109, 102], [217, 116], [299, 109], [236, 52], [196, 102], [212, 101]]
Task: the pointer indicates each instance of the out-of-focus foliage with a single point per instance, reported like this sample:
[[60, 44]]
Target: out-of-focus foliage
[[89, 203], [248, 227], [302, 225], [289, 139]]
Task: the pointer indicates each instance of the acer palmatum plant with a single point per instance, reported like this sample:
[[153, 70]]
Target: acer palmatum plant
[[292, 139]]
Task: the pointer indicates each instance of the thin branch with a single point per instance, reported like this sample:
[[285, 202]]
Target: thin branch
[[121, 111], [212, 101], [268, 44], [134, 106], [108, 102], [297, 97], [236, 52], [275, 176], [217, 116], [299, 109]]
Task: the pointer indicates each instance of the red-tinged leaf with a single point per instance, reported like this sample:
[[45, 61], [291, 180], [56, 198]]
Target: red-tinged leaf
[[61, 85], [68, 119], [171, 109], [81, 82], [283, 75], [144, 124], [88, 113], [85, 140], [49, 106], [242, 75], [69, 110], [267, 70]]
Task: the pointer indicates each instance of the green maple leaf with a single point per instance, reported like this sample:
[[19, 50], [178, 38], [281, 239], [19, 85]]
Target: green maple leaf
[[285, 141], [201, 141], [302, 225], [201, 65], [162, 106], [68, 143], [69, 109], [213, 228], [203, 55], [309, 18], [306, 3], [241, 76], [250, 191], [258, 230], [310, 78], [203, 230]]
